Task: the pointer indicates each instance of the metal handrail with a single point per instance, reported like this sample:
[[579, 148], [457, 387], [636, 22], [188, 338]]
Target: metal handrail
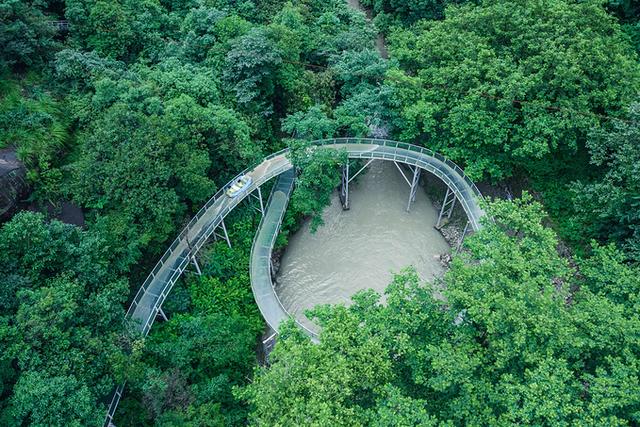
[[205, 232], [272, 241], [185, 233]]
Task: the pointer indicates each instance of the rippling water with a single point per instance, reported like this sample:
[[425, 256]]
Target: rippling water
[[361, 247]]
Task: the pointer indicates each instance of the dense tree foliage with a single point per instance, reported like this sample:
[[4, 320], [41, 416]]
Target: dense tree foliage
[[519, 339], [509, 87], [33, 121], [397, 12], [140, 110], [143, 111], [26, 36], [318, 175], [628, 11], [60, 324], [608, 208], [190, 364]]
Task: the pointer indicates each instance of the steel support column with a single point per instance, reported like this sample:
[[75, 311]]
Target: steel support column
[[260, 208], [261, 202], [448, 204], [414, 187], [344, 187], [464, 233], [226, 235], [352, 177], [162, 315], [272, 269], [402, 173], [194, 261]]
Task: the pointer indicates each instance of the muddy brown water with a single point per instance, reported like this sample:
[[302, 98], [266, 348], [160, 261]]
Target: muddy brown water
[[361, 248]]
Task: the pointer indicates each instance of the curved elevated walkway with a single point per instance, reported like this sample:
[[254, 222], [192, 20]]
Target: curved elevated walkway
[[260, 269], [148, 301]]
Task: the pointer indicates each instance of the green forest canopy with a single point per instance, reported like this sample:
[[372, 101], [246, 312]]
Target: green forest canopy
[[141, 110]]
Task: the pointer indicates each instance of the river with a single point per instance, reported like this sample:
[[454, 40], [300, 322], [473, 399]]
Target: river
[[360, 248]]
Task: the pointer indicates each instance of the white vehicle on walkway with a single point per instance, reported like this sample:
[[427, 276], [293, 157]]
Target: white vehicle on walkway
[[148, 301], [239, 186]]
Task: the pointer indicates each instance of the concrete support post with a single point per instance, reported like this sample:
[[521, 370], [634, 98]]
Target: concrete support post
[[162, 315], [194, 261], [448, 204], [414, 187]]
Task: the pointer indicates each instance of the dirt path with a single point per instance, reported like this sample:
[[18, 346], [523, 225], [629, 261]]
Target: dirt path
[[380, 43]]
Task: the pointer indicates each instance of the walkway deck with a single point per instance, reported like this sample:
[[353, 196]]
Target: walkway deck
[[260, 269], [151, 295]]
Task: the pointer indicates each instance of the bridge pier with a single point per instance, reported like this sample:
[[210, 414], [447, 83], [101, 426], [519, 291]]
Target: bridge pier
[[448, 204], [414, 186], [346, 179], [260, 200], [268, 344], [272, 269], [344, 187]]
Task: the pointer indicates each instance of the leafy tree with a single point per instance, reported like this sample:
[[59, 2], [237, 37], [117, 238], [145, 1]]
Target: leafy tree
[[120, 29], [408, 12], [60, 323], [365, 107], [158, 139], [507, 87], [607, 209], [42, 399], [191, 363], [336, 28], [207, 34], [515, 341], [627, 10], [319, 176], [194, 361], [32, 120], [250, 67], [26, 36], [366, 113], [312, 124], [77, 70], [606, 274], [355, 69]]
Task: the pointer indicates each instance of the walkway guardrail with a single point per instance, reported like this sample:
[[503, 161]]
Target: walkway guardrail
[[156, 287], [190, 234], [267, 299], [474, 212]]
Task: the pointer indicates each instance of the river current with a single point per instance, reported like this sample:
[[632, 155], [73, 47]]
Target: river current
[[361, 248]]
